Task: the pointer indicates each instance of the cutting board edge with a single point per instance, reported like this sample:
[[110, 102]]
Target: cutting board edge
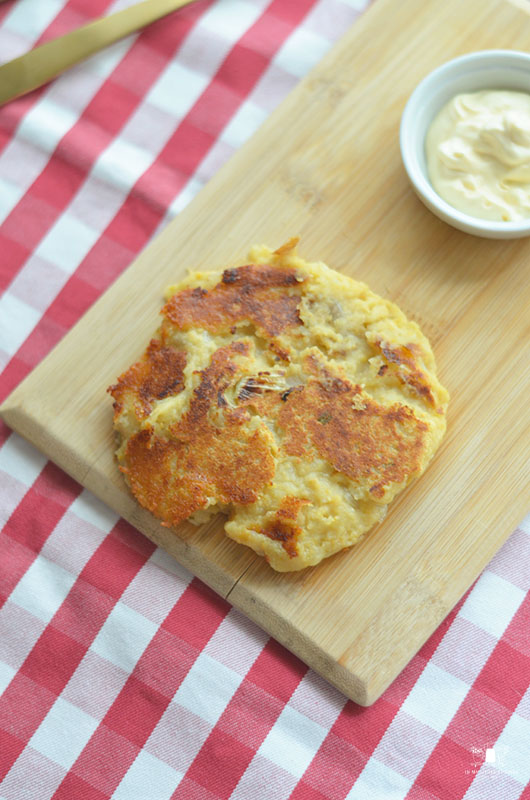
[[362, 685], [352, 685], [22, 421], [17, 416]]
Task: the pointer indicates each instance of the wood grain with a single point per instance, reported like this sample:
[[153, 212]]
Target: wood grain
[[326, 166]]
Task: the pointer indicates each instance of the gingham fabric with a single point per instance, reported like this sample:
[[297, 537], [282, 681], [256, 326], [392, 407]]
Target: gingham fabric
[[121, 675]]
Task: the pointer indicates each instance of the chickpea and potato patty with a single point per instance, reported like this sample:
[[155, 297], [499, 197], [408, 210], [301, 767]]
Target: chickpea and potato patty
[[285, 395]]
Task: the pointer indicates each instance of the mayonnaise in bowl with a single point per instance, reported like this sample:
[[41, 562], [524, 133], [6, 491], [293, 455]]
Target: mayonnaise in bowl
[[478, 154]]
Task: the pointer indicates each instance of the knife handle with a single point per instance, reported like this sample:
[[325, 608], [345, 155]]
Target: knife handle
[[40, 65]]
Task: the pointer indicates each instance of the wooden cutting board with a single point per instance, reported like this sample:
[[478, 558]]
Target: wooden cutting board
[[326, 166]]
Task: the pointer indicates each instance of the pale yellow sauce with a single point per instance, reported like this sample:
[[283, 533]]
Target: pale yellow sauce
[[478, 154]]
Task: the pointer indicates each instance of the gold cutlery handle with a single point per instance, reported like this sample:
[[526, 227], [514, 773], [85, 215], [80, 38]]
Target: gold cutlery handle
[[40, 65]]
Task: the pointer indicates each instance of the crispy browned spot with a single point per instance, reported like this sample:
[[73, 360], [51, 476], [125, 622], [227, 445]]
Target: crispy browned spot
[[254, 293], [361, 439], [283, 528], [175, 477], [158, 374], [403, 356]]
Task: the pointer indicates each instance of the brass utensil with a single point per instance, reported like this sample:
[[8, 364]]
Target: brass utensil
[[40, 65]]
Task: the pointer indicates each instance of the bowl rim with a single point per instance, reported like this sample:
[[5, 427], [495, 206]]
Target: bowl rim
[[416, 175]]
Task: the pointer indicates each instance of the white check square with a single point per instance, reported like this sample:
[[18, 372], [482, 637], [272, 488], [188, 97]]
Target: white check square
[[513, 745], [232, 18], [30, 19], [63, 733], [121, 164], [492, 603], [358, 5], [207, 688], [21, 460], [293, 741], [192, 187], [491, 784], [435, 697], [43, 588], [148, 777], [46, 123], [243, 124], [88, 508], [19, 632], [177, 90], [10, 194], [7, 674], [124, 637], [17, 320], [379, 781], [67, 243], [301, 51], [262, 780]]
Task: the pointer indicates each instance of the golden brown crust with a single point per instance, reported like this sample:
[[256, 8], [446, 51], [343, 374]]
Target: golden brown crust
[[200, 463], [329, 416], [283, 527], [367, 442], [253, 293], [158, 374]]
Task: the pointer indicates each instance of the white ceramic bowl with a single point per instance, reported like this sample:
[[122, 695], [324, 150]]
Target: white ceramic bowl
[[485, 69]]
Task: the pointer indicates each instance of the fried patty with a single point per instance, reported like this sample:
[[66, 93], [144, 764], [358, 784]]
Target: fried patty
[[285, 395]]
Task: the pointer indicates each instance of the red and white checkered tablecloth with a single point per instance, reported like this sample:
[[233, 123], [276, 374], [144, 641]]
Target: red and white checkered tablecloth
[[121, 675]]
